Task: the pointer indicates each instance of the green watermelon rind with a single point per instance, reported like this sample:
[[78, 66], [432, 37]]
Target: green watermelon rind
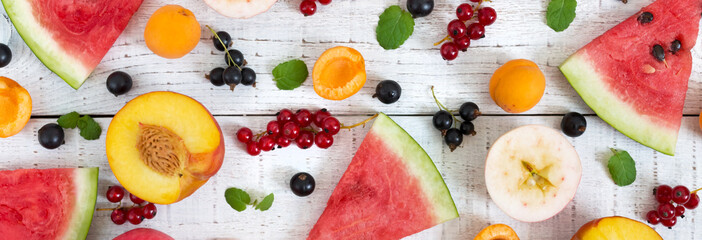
[[419, 164], [584, 78], [86, 181], [39, 40]]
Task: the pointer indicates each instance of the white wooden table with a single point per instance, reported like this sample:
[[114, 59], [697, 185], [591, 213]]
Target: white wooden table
[[282, 34]]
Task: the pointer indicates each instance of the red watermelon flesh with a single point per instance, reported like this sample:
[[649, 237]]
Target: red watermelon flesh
[[70, 37], [390, 190], [619, 78], [47, 204]]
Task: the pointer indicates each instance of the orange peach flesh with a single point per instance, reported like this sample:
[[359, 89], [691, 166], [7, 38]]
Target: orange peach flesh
[[182, 121], [616, 228], [15, 107]]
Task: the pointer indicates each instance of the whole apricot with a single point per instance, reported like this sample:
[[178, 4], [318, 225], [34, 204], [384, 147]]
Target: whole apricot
[[172, 31], [517, 86]]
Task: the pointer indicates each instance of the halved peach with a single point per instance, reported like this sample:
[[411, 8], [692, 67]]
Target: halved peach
[[162, 146], [339, 73], [497, 232], [616, 228], [15, 107]]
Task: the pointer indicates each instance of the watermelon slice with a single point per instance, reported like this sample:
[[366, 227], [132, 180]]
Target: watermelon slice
[[619, 78], [47, 204], [390, 190], [70, 37]]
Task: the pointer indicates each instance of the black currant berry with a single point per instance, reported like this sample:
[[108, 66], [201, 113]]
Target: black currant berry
[[51, 136], [467, 128], [573, 124], [216, 76], [226, 39], [119, 83], [420, 8], [388, 91], [442, 120], [237, 57], [469, 111], [5, 55], [248, 76], [231, 75], [302, 184], [453, 138]]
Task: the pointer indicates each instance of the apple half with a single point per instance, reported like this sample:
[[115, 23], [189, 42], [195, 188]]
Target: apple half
[[162, 146], [532, 172], [240, 8]]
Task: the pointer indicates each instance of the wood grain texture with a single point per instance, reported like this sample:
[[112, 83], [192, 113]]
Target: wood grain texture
[[206, 215], [282, 34]]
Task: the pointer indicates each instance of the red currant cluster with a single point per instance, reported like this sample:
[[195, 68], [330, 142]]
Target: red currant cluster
[[309, 7], [134, 214], [667, 213], [289, 127], [462, 34]]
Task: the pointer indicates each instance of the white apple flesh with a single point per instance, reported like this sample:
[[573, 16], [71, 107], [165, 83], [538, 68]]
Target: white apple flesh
[[240, 8], [532, 172]]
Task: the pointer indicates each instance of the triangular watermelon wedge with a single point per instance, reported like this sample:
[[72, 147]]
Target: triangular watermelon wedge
[[619, 77], [70, 37], [390, 190]]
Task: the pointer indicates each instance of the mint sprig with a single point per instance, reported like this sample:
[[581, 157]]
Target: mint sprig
[[560, 13], [238, 199], [395, 26], [89, 128], [622, 168]]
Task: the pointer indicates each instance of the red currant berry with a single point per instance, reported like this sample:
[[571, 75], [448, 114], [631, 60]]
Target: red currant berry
[[273, 128], [135, 199], [693, 202], [476, 31], [308, 7], [666, 211], [291, 130], [464, 12], [462, 43], [284, 116], [331, 125], [669, 222], [323, 140], [119, 216], [115, 194], [149, 211], [486, 16], [475, 0], [652, 217], [679, 210], [325, 2], [303, 117], [253, 149], [664, 193], [244, 135], [456, 29], [449, 51], [305, 140], [266, 143], [681, 194], [282, 141], [135, 215], [319, 116]]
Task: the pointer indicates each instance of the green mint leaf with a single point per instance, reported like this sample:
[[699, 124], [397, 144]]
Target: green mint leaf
[[622, 168], [560, 14], [237, 198], [290, 75], [395, 26], [69, 120], [89, 128], [266, 203]]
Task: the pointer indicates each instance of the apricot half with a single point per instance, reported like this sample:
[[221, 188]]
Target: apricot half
[[15, 107], [517, 86], [172, 31], [162, 146], [339, 73], [497, 232]]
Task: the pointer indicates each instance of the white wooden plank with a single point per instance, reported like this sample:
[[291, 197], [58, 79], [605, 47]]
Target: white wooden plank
[[282, 34], [205, 215]]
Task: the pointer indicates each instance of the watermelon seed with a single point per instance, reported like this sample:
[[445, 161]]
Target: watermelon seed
[[675, 46], [658, 52], [645, 17]]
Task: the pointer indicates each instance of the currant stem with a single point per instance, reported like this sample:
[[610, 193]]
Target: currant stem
[[258, 136], [226, 48], [442, 40], [109, 209], [475, 13], [699, 189], [441, 106], [360, 123]]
